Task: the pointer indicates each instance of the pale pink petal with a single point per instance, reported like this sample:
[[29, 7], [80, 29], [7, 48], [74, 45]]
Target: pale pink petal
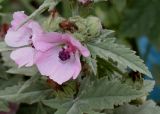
[[17, 38], [18, 18], [63, 74], [77, 65], [45, 41], [83, 50], [23, 56], [47, 62], [64, 71], [84, 1], [50, 65], [36, 27]]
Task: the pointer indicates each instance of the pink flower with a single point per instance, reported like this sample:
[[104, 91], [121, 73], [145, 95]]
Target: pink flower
[[56, 55], [23, 38], [84, 1], [60, 59]]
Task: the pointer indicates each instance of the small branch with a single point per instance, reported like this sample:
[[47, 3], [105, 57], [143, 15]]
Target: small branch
[[47, 4]]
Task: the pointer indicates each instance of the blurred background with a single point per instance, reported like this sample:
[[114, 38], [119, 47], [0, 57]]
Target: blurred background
[[136, 22]]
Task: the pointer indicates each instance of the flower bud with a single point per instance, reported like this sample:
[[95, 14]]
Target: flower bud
[[80, 23], [86, 28], [94, 26]]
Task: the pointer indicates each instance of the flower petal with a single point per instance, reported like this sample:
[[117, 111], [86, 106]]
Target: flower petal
[[65, 71], [23, 56], [77, 65], [45, 41], [18, 18], [18, 38], [47, 62], [60, 71], [83, 1], [36, 28]]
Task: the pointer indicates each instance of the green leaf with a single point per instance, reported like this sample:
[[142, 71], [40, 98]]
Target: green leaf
[[148, 86], [41, 109], [7, 60], [37, 108], [1, 1], [55, 103], [119, 4], [99, 0], [93, 64], [141, 18], [93, 112], [12, 80], [148, 108], [107, 95], [36, 92], [109, 49], [30, 71], [63, 105], [32, 80], [3, 74], [108, 68], [27, 71], [4, 106], [4, 47]]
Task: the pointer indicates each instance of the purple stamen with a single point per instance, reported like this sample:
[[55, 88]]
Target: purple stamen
[[64, 55], [32, 45], [30, 41]]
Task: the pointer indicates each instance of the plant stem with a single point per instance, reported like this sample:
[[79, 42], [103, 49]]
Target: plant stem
[[74, 7]]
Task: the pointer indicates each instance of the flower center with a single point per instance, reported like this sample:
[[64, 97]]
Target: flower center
[[64, 55], [30, 42]]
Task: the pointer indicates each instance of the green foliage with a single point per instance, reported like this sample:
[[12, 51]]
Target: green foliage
[[37, 108], [3, 72], [1, 1], [148, 107], [33, 93], [142, 18], [4, 105], [32, 71], [107, 68], [40, 109], [111, 90], [7, 60], [93, 64], [109, 49], [4, 47], [99, 95], [99, 0], [119, 4]]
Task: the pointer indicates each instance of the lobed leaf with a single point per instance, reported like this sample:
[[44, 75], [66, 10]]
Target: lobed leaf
[[148, 108], [109, 49], [4, 106], [34, 93], [100, 95]]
